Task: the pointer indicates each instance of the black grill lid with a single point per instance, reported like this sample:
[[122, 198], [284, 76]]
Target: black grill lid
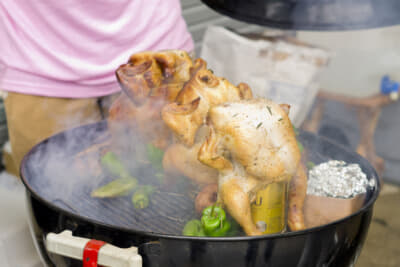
[[321, 15]]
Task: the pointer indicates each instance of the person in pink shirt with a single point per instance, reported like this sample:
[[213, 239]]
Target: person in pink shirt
[[58, 58]]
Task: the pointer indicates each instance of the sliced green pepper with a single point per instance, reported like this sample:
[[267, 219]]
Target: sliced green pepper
[[118, 187], [193, 228], [111, 162], [214, 221], [155, 156], [141, 198]]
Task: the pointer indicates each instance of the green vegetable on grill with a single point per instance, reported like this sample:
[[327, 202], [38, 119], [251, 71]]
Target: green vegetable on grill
[[155, 156], [118, 187], [193, 228], [214, 221], [141, 197], [235, 228], [111, 162]]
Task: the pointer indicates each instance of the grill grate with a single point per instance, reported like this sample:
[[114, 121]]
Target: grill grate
[[167, 213]]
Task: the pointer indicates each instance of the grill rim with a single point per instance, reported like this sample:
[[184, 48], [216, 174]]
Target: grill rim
[[365, 165]]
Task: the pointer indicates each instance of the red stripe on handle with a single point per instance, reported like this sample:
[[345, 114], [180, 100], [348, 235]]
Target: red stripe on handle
[[91, 252]]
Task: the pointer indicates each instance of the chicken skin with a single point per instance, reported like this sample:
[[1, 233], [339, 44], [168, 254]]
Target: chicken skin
[[203, 91], [154, 73], [126, 119], [179, 159], [251, 143], [150, 80], [297, 196], [169, 101]]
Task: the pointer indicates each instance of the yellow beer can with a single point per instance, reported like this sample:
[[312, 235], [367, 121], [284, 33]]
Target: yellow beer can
[[269, 211]]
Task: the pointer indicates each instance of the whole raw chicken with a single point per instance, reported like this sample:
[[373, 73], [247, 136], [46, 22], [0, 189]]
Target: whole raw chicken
[[251, 143]]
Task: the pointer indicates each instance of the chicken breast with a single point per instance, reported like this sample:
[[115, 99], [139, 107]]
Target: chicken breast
[[258, 135]]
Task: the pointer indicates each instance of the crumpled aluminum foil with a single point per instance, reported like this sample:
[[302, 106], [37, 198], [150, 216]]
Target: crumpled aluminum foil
[[337, 179]]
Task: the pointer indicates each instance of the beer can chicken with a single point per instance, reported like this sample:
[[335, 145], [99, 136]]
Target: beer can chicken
[[251, 144], [211, 132]]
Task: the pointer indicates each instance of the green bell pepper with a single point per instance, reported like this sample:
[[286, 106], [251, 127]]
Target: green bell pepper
[[214, 221], [193, 228], [235, 228]]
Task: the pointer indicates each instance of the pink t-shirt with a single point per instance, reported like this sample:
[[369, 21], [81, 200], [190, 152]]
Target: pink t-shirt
[[71, 48]]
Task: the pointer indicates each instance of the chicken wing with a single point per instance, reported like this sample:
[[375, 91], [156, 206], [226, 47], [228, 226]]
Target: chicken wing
[[154, 73], [203, 91]]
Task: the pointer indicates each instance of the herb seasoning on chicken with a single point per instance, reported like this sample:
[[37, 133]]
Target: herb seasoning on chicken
[[251, 144]]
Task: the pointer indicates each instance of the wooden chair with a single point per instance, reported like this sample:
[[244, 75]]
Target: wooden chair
[[368, 112]]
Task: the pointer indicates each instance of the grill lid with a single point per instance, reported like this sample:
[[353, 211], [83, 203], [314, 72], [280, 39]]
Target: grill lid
[[321, 15]]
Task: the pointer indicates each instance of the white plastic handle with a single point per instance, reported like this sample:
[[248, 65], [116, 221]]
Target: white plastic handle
[[71, 246]]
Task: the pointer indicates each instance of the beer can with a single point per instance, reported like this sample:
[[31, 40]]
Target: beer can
[[269, 211]]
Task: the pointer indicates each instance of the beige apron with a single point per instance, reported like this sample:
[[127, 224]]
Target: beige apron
[[31, 119]]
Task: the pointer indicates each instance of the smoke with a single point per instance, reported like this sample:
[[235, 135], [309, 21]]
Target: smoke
[[65, 169], [52, 169]]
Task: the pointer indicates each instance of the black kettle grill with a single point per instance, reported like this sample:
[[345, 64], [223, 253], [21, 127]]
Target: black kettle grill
[[58, 213], [318, 15]]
